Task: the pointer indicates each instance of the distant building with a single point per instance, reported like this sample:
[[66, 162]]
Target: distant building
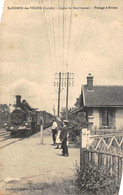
[[103, 105]]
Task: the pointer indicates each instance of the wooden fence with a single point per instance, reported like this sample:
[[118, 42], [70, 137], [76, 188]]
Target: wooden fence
[[103, 150]]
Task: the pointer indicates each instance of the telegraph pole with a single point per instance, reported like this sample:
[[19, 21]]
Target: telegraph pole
[[59, 91], [66, 80], [70, 82], [67, 96], [58, 84]]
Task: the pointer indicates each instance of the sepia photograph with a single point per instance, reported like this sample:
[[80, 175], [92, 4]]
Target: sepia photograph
[[61, 97]]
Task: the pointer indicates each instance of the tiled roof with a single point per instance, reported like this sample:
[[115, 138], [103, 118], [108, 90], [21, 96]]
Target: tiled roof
[[103, 96]]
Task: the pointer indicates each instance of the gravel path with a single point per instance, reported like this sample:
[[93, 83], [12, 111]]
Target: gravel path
[[28, 161]]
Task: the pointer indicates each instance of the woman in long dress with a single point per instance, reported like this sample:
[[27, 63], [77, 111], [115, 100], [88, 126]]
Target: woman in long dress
[[58, 142]]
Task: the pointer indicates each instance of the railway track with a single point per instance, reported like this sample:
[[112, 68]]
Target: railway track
[[6, 141], [5, 133], [47, 125], [11, 142]]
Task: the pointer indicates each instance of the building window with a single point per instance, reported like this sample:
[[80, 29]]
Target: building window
[[107, 117]]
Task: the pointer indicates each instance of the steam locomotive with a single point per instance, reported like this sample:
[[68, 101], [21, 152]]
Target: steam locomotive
[[26, 120]]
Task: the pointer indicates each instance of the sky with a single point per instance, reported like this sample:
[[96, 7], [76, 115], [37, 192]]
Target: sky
[[35, 44]]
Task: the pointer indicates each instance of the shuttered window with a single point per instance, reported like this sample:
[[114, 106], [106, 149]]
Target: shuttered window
[[107, 117]]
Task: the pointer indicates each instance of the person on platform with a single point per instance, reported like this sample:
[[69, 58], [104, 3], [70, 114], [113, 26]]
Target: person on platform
[[58, 141], [64, 138], [54, 131]]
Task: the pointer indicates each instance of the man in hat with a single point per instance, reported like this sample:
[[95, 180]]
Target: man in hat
[[63, 138]]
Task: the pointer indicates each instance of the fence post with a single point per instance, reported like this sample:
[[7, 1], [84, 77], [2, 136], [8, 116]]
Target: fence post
[[99, 159], [84, 144], [81, 149], [102, 159], [110, 164], [107, 160], [92, 157], [113, 165], [119, 168]]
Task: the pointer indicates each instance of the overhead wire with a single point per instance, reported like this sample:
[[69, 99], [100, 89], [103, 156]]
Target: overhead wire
[[63, 34], [54, 39], [64, 44], [83, 25], [69, 34], [88, 31], [91, 28], [63, 26], [47, 36], [44, 30], [59, 42]]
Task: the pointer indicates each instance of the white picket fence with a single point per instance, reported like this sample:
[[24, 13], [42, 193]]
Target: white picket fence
[[103, 150]]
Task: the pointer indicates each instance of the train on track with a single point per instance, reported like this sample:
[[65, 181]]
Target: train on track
[[26, 120]]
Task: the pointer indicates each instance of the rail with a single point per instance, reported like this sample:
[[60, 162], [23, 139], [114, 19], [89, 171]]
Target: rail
[[47, 125], [14, 140]]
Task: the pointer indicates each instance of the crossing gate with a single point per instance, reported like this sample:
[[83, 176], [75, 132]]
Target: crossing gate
[[103, 150]]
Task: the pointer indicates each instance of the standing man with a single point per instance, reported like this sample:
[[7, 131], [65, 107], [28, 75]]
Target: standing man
[[54, 131], [64, 138]]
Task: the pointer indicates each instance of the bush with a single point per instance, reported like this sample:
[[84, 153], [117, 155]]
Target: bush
[[96, 180], [76, 123]]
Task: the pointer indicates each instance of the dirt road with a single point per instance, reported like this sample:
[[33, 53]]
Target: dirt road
[[29, 161]]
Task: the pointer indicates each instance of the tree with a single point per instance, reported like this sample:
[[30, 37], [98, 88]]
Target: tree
[[78, 102], [4, 113], [63, 113], [77, 121], [76, 106]]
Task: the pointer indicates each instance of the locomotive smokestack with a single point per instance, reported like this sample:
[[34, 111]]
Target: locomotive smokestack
[[18, 100]]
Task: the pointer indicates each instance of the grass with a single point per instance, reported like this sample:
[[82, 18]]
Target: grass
[[65, 187]]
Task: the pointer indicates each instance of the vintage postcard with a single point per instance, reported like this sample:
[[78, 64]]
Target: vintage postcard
[[61, 97]]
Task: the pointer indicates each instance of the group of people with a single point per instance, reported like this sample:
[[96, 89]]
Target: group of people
[[60, 135]]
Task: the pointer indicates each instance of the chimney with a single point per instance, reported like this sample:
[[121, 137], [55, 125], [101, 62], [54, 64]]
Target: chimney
[[18, 100], [90, 82]]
